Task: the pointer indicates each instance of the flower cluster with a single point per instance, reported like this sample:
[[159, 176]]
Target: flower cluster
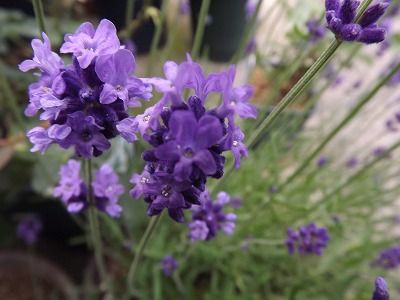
[[74, 192], [188, 139], [389, 258], [309, 239], [29, 228], [85, 103], [341, 18], [209, 218], [169, 265], [381, 290]]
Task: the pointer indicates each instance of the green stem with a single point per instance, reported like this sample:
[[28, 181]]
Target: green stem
[[158, 21], [364, 100], [139, 252], [201, 24], [39, 15], [357, 175], [130, 5], [95, 228]]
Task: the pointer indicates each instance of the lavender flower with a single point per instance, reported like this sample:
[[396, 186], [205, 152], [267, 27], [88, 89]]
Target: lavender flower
[[29, 228], [388, 258], [189, 139], [250, 8], [381, 290], [184, 7], [322, 161], [352, 162], [341, 18], [169, 265], [86, 103], [309, 239], [316, 30], [73, 190], [209, 218]]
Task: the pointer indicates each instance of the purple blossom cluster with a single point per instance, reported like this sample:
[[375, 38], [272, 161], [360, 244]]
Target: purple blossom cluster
[[29, 228], [85, 103], [388, 258], [381, 290], [188, 139], [169, 265], [74, 192], [209, 218], [309, 239], [341, 18]]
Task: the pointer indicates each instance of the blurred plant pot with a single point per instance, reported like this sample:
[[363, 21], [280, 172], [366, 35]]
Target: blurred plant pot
[[28, 277], [143, 35], [224, 27]]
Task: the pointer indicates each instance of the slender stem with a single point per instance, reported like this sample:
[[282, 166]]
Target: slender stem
[[201, 24], [139, 252], [158, 21], [130, 6], [364, 100], [356, 175], [95, 228], [39, 15]]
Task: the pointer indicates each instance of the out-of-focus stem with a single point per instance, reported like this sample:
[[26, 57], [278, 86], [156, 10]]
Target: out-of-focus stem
[[201, 24], [130, 4], [139, 252], [39, 15]]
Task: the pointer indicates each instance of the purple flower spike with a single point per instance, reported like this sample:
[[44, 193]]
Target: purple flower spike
[[389, 258], [29, 228], [73, 190], [341, 18], [107, 190], [85, 103], [381, 290], [169, 265], [70, 181], [315, 30], [309, 239], [322, 161], [87, 43], [188, 138], [209, 218]]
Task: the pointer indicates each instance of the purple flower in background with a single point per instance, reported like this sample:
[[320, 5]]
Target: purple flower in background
[[184, 7], [322, 161], [251, 46], [341, 18], [73, 190], [381, 290], [29, 228], [380, 152], [209, 218], [86, 103], [87, 43], [389, 258], [169, 265], [107, 190], [315, 30], [309, 239], [352, 162], [250, 8], [188, 138]]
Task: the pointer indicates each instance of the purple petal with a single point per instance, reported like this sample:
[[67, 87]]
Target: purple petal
[[373, 13], [58, 132], [348, 11], [108, 94], [183, 126], [205, 161], [167, 151], [209, 132], [333, 5], [350, 32], [372, 35]]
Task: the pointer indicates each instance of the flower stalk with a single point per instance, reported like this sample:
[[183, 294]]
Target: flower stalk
[[369, 96], [201, 24], [39, 15], [95, 228], [139, 252]]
